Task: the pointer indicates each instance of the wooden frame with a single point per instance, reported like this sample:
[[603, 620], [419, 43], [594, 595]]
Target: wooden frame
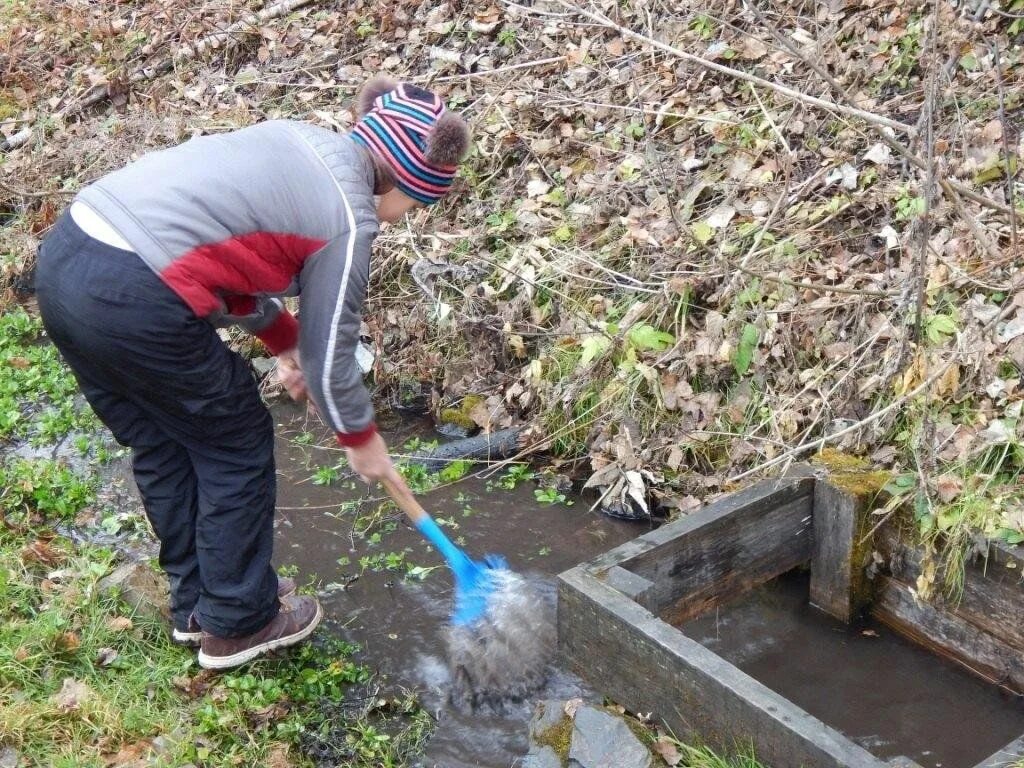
[[614, 617]]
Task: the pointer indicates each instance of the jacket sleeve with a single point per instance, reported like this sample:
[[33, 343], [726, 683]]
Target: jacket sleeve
[[333, 287], [267, 319]]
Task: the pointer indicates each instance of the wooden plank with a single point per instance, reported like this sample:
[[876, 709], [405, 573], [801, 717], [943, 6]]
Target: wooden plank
[[993, 596], [1005, 756], [732, 545], [946, 634], [641, 662], [636, 588], [839, 556]]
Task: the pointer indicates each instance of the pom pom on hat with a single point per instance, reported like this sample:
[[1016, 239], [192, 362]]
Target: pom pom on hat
[[372, 90], [448, 142], [410, 129]]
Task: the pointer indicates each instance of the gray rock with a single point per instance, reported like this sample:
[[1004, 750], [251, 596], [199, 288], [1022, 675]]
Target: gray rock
[[141, 587], [8, 757], [167, 742], [541, 757], [601, 740]]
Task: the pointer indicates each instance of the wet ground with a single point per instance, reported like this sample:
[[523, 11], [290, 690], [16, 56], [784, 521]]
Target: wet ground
[[888, 695], [395, 602]]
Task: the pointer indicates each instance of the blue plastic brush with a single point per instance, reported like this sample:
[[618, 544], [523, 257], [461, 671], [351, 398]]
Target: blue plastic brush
[[502, 631], [475, 582]]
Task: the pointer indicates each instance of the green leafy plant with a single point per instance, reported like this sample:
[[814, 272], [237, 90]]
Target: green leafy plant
[[551, 495], [744, 355], [327, 475], [514, 475]]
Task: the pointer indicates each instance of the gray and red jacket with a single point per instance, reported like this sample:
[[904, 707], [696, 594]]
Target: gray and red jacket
[[232, 222]]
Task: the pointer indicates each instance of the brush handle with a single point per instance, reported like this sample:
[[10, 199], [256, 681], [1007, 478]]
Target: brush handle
[[402, 496]]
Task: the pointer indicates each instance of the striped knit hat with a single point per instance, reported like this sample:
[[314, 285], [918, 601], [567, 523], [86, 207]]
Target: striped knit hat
[[410, 130]]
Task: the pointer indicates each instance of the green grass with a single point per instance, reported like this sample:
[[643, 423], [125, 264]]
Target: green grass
[[702, 757], [37, 391], [84, 682]]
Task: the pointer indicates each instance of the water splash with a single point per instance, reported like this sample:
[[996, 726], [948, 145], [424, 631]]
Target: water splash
[[504, 656]]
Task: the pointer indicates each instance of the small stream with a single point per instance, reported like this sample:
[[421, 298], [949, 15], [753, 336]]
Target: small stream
[[398, 621]]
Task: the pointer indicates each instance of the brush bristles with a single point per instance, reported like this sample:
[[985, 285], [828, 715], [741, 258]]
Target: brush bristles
[[505, 655]]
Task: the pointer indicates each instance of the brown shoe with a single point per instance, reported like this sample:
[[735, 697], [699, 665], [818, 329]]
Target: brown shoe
[[192, 634], [296, 621]]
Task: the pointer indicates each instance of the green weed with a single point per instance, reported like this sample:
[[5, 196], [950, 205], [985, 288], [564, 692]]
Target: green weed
[[37, 391], [551, 495]]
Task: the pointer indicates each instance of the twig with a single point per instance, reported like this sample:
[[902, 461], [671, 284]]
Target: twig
[[894, 405], [897, 403], [25, 193], [804, 98], [816, 287], [1004, 126], [21, 137], [489, 72], [924, 223]]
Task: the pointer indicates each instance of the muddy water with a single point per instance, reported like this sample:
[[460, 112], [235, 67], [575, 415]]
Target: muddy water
[[398, 621], [888, 695]]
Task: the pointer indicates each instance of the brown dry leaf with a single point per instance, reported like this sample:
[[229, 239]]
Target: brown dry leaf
[[106, 656], [195, 686], [130, 755], [22, 653], [41, 551], [72, 694], [669, 752], [751, 49], [948, 487], [67, 642], [615, 46], [488, 15], [18, 362], [119, 624], [279, 757]]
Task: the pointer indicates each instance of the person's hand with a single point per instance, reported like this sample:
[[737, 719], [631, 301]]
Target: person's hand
[[371, 461], [289, 373]]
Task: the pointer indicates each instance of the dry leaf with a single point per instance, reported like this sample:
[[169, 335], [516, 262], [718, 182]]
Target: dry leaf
[[948, 487], [537, 187], [41, 551], [119, 624], [721, 216], [130, 755], [571, 706], [106, 656], [72, 695], [67, 642], [668, 750]]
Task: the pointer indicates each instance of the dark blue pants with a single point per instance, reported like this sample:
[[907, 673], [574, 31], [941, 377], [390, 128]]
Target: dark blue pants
[[202, 441]]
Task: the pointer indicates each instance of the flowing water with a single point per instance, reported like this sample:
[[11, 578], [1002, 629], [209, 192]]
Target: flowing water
[[885, 693], [399, 621]]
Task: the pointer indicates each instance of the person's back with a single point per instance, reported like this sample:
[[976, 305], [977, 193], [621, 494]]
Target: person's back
[[238, 214]]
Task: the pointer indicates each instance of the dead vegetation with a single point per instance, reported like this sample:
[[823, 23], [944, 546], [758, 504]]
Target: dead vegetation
[[694, 241]]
